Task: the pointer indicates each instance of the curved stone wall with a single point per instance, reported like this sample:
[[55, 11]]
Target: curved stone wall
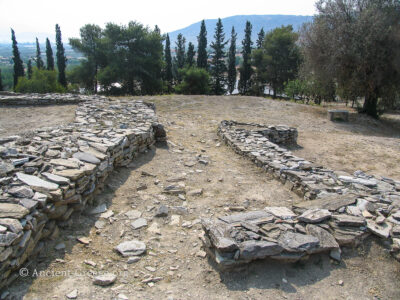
[[47, 175], [339, 210]]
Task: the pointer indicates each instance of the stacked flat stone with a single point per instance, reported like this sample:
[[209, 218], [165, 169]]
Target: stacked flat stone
[[50, 173], [339, 210], [9, 98]]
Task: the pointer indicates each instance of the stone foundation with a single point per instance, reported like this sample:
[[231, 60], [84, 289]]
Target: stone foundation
[[47, 175], [339, 210], [16, 99]]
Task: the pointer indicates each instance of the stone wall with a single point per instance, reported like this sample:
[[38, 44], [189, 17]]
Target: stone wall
[[49, 174], [16, 99], [339, 209]]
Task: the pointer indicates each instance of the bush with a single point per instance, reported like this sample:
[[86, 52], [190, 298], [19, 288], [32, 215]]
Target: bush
[[43, 81], [195, 82]]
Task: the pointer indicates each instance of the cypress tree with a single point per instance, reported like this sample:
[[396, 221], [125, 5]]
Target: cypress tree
[[1, 83], [232, 62], [18, 66], [168, 64], [29, 69], [39, 61], [260, 39], [218, 67], [246, 70], [180, 51], [49, 56], [61, 59], [190, 55], [202, 47]]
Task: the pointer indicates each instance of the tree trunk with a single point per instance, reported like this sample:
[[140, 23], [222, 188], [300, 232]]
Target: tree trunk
[[370, 103]]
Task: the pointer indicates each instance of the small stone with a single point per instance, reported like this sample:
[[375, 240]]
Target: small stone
[[201, 254], [196, 192], [139, 223], [122, 297], [150, 269], [56, 178], [284, 280], [162, 211], [336, 254], [97, 210], [381, 230], [73, 294], [133, 259], [340, 282], [141, 187], [90, 263], [83, 240], [104, 280], [21, 192], [100, 224], [107, 214], [175, 220], [131, 248], [283, 213], [315, 215]]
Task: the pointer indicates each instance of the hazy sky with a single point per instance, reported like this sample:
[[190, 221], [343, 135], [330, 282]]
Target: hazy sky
[[40, 16]]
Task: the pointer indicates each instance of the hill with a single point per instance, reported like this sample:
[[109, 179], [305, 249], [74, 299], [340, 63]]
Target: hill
[[268, 22]]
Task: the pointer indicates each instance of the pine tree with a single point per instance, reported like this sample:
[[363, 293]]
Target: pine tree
[[260, 39], [1, 83], [49, 56], [232, 62], [168, 64], [246, 70], [18, 66], [190, 55], [202, 47], [39, 61], [29, 69], [218, 67], [61, 59]]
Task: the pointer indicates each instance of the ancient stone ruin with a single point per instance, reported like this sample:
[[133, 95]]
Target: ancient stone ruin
[[50, 173], [338, 210]]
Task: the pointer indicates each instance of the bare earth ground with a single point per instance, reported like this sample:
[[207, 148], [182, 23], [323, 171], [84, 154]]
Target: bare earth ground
[[228, 180], [18, 119]]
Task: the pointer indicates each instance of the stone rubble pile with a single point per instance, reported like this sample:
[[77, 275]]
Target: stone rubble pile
[[339, 209], [9, 98], [50, 173]]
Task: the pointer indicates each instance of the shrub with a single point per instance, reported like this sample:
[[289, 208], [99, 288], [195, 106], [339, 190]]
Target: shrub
[[195, 82], [43, 81]]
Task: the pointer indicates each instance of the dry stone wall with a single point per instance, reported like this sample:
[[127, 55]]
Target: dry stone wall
[[339, 209], [16, 99], [47, 175]]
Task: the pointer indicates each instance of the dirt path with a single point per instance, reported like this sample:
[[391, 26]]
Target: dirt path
[[15, 120], [174, 249]]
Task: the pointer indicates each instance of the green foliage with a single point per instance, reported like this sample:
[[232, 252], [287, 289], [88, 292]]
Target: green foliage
[[232, 62], [202, 47], [260, 39], [61, 59], [179, 59], [296, 89], [18, 66], [168, 65], [7, 78], [43, 81], [190, 55], [49, 56], [245, 70], [29, 69], [278, 60], [195, 82], [90, 45], [1, 82], [132, 58], [218, 67], [39, 60], [355, 44]]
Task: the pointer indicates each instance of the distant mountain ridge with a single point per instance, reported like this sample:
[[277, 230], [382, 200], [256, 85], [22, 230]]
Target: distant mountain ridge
[[268, 22]]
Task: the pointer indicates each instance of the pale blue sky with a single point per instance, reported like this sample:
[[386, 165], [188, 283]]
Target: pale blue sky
[[40, 16]]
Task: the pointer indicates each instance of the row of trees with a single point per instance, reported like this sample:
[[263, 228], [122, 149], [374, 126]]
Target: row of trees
[[39, 78]]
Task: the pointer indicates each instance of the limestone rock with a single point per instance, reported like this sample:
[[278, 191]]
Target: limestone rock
[[283, 213], [105, 279], [251, 250], [131, 248], [87, 157], [315, 215], [36, 182], [139, 223], [9, 210], [297, 242]]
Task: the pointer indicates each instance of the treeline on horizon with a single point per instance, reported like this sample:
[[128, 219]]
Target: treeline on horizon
[[351, 51]]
